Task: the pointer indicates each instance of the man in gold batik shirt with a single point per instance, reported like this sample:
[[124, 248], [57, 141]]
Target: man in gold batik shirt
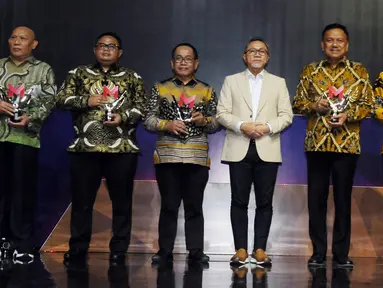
[[377, 113], [332, 141]]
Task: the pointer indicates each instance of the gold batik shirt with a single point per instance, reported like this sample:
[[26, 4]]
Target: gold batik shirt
[[166, 96], [348, 79], [377, 113]]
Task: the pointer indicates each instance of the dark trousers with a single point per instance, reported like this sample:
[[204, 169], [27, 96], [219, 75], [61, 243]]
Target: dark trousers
[[177, 182], [18, 187], [193, 277], [252, 170], [86, 171], [341, 167]]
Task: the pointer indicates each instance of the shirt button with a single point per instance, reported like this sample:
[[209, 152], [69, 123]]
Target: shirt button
[[251, 116]]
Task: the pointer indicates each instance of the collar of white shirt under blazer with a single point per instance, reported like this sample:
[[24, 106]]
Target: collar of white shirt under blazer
[[243, 85]]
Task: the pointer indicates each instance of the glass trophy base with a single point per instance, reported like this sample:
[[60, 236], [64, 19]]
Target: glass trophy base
[[108, 117]]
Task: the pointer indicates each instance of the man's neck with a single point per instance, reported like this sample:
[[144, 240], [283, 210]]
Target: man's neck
[[185, 79], [334, 61], [105, 68], [255, 71]]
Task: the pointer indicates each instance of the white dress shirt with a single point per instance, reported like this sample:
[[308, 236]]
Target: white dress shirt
[[255, 84]]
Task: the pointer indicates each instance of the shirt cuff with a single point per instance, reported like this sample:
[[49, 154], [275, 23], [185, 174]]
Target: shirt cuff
[[239, 127], [270, 127], [161, 125]]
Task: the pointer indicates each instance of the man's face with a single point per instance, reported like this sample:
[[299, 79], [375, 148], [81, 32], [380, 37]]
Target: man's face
[[184, 63], [107, 50], [256, 55], [22, 42], [335, 44]]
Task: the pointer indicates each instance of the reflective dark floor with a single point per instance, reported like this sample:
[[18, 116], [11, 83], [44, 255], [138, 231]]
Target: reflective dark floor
[[286, 272]]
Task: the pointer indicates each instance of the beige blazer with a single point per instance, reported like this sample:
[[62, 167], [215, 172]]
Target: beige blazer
[[235, 105]]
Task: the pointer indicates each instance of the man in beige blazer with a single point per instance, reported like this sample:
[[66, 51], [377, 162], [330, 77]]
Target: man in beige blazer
[[254, 106]]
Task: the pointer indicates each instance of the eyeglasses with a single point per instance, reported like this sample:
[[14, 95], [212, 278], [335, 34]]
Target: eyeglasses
[[104, 46], [254, 52], [179, 59]]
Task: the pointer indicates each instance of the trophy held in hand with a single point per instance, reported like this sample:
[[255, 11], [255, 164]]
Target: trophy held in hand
[[184, 108], [337, 100], [113, 101], [19, 98]]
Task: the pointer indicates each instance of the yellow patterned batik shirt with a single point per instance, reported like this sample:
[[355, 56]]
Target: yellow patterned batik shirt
[[377, 113], [169, 101], [346, 80]]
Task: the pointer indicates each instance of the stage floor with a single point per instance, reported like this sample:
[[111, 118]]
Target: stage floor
[[288, 234], [287, 272]]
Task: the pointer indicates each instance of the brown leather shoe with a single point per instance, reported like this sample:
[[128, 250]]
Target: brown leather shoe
[[239, 274], [240, 257], [258, 272], [260, 257]]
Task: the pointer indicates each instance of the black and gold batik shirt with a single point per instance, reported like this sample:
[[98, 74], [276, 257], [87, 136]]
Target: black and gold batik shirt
[[166, 96], [91, 134]]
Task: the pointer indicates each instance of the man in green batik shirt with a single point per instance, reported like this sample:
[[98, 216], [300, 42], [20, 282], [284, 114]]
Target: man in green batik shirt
[[102, 147], [21, 74]]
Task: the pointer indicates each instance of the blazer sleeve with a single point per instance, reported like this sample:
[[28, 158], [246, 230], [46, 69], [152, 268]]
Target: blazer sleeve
[[284, 113], [225, 107]]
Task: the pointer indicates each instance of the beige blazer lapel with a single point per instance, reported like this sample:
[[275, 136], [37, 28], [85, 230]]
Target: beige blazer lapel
[[244, 88], [266, 86]]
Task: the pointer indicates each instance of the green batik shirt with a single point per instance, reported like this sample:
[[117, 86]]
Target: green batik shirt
[[40, 89], [91, 133]]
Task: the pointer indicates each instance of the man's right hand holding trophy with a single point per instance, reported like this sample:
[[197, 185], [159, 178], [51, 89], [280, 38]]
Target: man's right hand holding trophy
[[5, 107], [186, 112], [14, 104], [324, 105], [104, 101]]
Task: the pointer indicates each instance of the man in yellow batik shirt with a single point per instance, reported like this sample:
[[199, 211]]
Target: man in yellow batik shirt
[[377, 113], [332, 142]]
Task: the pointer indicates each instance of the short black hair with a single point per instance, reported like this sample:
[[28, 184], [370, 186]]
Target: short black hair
[[253, 39], [111, 34], [335, 26], [188, 45]]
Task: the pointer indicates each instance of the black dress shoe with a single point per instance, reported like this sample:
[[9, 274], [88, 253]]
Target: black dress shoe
[[117, 257], [162, 257], [343, 262], [198, 256], [316, 261], [75, 255], [198, 266]]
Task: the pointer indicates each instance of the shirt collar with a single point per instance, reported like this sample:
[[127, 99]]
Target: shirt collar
[[31, 59], [178, 82], [343, 62], [251, 75], [113, 67]]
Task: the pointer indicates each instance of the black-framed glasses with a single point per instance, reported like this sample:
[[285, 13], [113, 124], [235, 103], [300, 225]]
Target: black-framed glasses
[[187, 59], [254, 52], [105, 46]]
